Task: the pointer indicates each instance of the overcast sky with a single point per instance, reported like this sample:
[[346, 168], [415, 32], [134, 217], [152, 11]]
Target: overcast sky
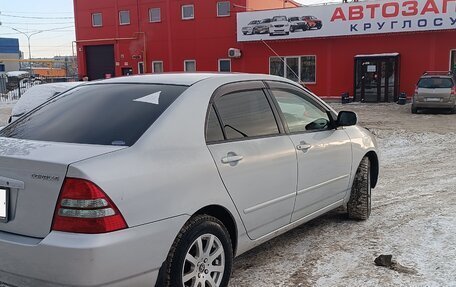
[[54, 18]]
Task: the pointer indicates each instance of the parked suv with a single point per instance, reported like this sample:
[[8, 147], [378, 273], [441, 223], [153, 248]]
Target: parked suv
[[296, 23], [312, 22], [279, 26], [435, 90]]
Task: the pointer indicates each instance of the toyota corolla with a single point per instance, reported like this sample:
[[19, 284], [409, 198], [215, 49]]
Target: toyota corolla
[[164, 179]]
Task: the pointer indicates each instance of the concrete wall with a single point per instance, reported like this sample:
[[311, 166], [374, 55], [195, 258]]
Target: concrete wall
[[9, 65]]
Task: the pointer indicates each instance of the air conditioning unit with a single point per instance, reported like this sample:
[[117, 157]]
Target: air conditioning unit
[[234, 53]]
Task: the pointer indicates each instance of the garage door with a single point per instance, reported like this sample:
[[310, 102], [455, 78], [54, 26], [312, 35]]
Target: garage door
[[100, 61]]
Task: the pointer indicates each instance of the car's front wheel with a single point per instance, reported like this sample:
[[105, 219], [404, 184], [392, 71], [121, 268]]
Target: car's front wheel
[[201, 255], [414, 110], [359, 204]]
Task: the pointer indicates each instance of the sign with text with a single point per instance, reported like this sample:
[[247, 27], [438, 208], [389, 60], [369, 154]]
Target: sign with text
[[347, 19]]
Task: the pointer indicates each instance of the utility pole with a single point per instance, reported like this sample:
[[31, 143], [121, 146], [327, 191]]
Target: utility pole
[[29, 48]]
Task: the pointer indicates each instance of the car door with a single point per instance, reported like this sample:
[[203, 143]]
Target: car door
[[255, 159], [324, 153]]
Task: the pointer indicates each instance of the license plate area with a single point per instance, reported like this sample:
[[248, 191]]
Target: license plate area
[[4, 204], [433, 100]]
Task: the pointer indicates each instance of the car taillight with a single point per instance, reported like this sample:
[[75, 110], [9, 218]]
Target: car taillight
[[453, 91], [83, 207]]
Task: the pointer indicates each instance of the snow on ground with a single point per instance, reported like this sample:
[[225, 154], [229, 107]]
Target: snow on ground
[[413, 216]]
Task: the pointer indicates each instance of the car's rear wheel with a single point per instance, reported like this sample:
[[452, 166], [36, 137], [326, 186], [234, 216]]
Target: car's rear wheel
[[292, 29], [414, 110], [359, 204], [201, 255]]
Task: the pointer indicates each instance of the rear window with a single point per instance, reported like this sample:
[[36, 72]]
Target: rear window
[[102, 114], [435, 83]]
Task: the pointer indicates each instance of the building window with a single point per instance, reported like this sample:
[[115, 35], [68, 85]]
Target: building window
[[453, 61], [157, 67], [188, 12], [308, 69], [224, 65], [124, 17], [276, 66], [190, 66], [292, 70], [223, 8], [141, 68], [97, 20], [296, 68], [154, 15]]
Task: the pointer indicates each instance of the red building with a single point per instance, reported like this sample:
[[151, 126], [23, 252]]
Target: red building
[[373, 50]]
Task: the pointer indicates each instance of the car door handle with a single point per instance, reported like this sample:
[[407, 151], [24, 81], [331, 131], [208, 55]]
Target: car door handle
[[232, 159], [303, 147]]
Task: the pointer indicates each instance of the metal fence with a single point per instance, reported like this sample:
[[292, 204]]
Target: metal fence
[[12, 88]]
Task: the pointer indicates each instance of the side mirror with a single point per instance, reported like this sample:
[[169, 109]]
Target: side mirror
[[345, 119]]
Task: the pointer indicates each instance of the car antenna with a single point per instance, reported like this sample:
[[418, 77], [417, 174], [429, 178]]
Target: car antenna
[[284, 62]]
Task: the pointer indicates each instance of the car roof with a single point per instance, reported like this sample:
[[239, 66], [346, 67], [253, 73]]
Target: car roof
[[184, 79]]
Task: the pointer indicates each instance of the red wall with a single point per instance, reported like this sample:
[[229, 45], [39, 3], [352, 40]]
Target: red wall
[[419, 52], [207, 38]]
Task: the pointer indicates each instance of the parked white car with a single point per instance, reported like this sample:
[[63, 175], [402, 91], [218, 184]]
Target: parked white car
[[163, 179], [38, 94], [279, 26]]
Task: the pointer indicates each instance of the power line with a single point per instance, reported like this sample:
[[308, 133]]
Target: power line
[[34, 17], [36, 23], [17, 12]]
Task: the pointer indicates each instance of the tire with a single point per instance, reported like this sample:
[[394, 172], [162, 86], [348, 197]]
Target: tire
[[305, 28], [319, 26], [287, 33], [414, 110], [292, 29], [192, 240], [245, 33], [359, 204], [271, 34]]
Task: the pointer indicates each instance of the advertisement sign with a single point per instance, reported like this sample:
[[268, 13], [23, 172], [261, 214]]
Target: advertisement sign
[[347, 19]]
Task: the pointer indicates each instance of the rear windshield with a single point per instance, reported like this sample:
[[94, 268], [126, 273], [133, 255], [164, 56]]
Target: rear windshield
[[102, 114], [435, 83]]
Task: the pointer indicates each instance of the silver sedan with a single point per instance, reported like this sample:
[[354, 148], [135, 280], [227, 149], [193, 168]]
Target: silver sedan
[[164, 179]]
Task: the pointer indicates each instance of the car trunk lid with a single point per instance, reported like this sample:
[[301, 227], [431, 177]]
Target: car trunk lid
[[435, 94], [33, 172]]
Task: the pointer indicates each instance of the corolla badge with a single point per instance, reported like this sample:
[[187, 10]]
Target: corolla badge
[[45, 177]]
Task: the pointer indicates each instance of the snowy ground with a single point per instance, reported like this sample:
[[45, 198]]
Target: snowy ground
[[413, 216]]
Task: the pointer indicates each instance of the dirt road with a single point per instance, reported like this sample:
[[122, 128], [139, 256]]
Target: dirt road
[[413, 216]]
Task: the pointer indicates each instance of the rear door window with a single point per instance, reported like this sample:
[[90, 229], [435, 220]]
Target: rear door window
[[102, 114], [435, 83], [246, 114]]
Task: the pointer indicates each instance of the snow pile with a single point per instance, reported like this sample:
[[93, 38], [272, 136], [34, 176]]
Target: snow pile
[[38, 94]]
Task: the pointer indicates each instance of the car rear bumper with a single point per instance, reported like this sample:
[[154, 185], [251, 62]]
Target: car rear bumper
[[130, 257], [434, 105]]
